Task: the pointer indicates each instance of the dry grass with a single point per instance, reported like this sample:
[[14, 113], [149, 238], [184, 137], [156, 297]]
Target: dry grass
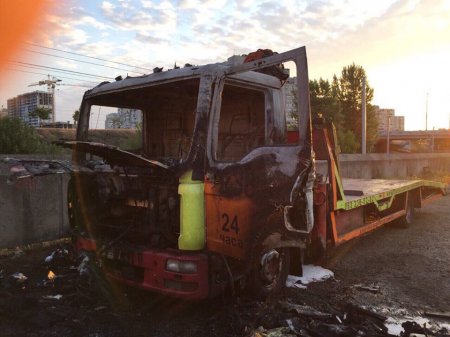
[[116, 137]]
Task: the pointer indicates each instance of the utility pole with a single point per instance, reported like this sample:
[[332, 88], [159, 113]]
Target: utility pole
[[363, 117], [388, 140], [426, 113], [432, 141]]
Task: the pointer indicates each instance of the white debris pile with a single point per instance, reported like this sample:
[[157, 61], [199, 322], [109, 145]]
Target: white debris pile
[[83, 267], [53, 297], [60, 256], [311, 273], [417, 324]]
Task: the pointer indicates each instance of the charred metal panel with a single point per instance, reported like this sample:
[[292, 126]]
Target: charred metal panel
[[271, 185], [242, 196]]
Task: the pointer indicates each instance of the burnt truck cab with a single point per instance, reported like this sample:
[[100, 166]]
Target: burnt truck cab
[[216, 195]]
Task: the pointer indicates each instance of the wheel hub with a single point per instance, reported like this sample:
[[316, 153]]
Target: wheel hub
[[270, 267]]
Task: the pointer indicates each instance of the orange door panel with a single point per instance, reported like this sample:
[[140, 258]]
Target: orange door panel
[[228, 223]]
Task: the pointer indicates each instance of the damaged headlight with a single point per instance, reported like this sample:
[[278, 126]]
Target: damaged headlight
[[179, 266]]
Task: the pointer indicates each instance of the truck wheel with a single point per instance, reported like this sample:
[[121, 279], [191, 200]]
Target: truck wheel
[[269, 270]]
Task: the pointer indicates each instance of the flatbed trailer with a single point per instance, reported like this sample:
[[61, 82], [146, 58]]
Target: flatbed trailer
[[358, 206]]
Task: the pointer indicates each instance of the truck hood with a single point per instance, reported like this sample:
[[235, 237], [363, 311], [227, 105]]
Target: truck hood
[[112, 154]]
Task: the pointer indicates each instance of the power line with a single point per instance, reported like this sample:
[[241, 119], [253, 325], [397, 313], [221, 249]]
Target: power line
[[84, 78], [92, 57], [63, 70], [87, 62], [64, 77]]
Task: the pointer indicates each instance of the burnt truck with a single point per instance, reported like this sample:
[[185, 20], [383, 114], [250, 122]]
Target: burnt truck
[[221, 193]]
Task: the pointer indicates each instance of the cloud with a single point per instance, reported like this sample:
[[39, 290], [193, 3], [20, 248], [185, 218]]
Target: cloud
[[147, 19], [149, 39]]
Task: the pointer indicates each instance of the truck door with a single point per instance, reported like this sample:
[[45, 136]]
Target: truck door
[[251, 169]]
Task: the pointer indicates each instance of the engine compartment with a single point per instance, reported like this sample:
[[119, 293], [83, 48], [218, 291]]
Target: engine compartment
[[125, 204]]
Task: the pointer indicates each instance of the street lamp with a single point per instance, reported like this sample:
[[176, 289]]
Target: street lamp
[[389, 115]]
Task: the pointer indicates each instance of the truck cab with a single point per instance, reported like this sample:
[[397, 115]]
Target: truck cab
[[218, 194]]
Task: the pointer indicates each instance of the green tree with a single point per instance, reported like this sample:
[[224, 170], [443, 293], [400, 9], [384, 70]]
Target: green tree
[[340, 101], [324, 101], [134, 143], [18, 138], [347, 141], [41, 112], [75, 117], [349, 93]]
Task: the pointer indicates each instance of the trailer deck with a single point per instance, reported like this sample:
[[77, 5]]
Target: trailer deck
[[359, 192], [358, 206], [366, 204]]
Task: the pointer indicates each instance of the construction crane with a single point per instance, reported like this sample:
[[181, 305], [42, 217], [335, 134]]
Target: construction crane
[[51, 84]]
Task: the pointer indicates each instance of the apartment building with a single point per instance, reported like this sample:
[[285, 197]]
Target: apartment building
[[23, 107]]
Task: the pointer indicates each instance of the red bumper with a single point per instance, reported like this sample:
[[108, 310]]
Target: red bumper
[[146, 269]]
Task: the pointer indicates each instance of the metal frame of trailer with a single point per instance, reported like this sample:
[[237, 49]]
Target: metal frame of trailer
[[358, 206]]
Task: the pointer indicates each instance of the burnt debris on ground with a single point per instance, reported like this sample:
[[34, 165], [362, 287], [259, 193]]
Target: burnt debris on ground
[[53, 292]]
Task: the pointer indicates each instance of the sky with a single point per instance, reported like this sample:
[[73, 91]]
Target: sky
[[404, 45]]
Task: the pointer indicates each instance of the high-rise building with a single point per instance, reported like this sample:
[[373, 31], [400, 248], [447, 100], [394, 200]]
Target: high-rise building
[[124, 119], [23, 107], [112, 121], [397, 123], [130, 118], [3, 112]]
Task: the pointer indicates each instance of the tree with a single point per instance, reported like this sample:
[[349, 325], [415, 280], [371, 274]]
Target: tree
[[349, 93], [41, 112], [347, 141], [75, 117], [16, 137], [340, 101], [324, 101], [134, 143]]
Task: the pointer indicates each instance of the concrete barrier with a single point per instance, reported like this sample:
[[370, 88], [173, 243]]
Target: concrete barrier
[[34, 210], [396, 165]]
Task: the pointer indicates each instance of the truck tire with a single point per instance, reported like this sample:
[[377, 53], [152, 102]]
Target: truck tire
[[269, 268]]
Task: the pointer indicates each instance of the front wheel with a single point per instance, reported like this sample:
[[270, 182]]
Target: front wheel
[[269, 268]]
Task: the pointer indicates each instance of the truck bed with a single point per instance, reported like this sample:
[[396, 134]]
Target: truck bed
[[366, 204], [359, 192], [356, 188]]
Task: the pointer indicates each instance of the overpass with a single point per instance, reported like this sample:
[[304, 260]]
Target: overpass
[[415, 141]]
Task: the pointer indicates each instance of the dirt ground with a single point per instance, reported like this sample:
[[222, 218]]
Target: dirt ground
[[410, 267]]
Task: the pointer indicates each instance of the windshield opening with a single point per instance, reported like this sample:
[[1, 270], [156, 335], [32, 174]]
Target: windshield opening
[[169, 119], [162, 116]]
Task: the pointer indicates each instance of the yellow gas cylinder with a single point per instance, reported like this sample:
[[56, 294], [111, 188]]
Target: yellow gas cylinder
[[192, 213]]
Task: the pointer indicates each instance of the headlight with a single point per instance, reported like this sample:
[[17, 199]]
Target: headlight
[[179, 266]]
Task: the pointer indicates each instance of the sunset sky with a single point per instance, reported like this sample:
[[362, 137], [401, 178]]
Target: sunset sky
[[403, 45]]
